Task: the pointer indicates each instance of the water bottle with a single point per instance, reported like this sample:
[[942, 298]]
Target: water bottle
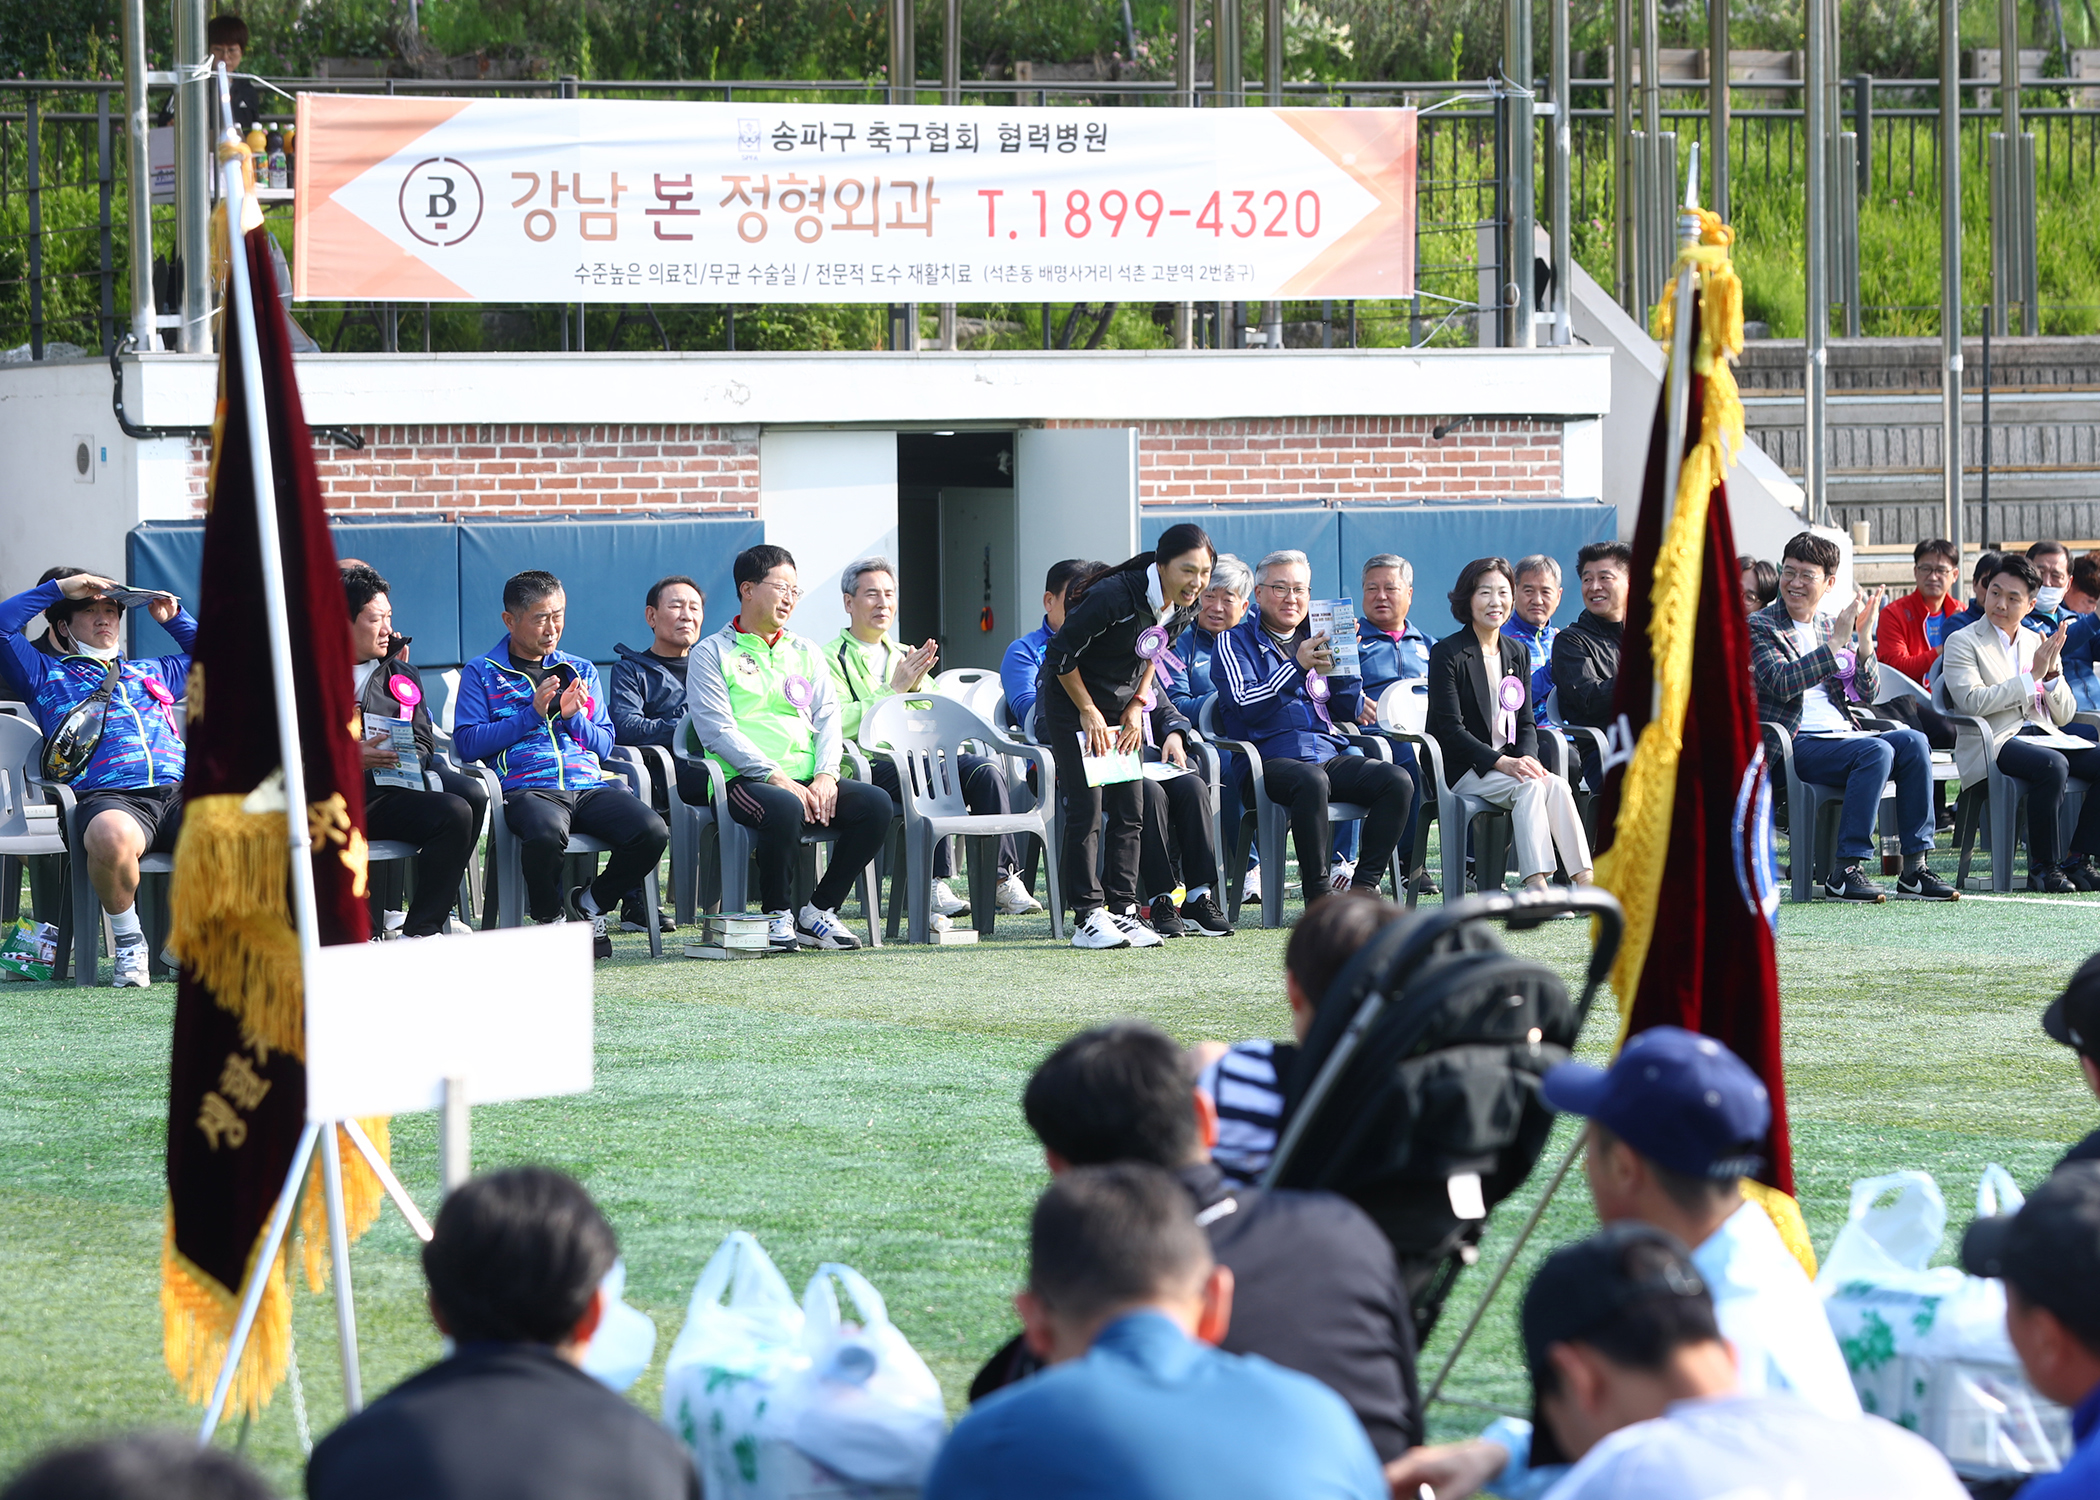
[[274, 146]]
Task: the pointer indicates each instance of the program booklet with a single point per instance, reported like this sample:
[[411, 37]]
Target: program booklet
[[1336, 619], [1105, 770], [408, 772]]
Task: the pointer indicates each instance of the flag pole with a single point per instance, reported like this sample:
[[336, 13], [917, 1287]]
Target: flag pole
[[1677, 410], [241, 314]]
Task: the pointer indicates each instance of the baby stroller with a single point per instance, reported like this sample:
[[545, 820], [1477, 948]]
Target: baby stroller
[[1416, 1093]]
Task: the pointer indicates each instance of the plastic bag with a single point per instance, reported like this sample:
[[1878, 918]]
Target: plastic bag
[[29, 950], [1926, 1345], [625, 1339], [727, 1362], [866, 1407]]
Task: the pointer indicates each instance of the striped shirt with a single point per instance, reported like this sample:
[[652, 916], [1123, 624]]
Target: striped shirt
[[1246, 1084]]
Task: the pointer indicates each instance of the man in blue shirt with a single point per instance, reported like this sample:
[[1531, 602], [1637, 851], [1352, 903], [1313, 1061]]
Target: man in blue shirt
[[1017, 669], [1123, 1303], [2049, 1257], [1538, 596]]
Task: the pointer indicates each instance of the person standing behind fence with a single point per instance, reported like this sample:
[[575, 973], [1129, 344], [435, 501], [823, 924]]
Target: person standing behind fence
[[1090, 699], [1481, 716]]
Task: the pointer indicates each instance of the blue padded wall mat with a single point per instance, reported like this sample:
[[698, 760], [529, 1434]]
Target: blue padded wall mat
[[1250, 532], [420, 559], [1440, 540], [606, 566]]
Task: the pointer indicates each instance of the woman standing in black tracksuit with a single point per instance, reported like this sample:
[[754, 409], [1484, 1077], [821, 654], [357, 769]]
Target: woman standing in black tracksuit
[[1089, 693]]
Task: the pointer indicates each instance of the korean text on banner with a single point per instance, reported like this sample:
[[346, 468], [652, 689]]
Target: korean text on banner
[[605, 200]]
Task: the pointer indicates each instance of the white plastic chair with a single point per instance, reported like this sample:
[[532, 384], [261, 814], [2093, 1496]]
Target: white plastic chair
[[2001, 796], [735, 842], [1403, 712]]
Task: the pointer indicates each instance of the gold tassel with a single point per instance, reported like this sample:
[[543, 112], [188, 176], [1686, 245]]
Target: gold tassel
[[363, 1196], [1785, 1215], [197, 1318], [232, 920]]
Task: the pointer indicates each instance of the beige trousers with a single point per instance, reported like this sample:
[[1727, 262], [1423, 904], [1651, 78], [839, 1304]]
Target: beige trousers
[[1544, 816]]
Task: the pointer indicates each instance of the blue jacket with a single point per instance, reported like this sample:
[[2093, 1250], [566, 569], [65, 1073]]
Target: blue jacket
[[1261, 696], [648, 699], [1018, 668], [1198, 685], [494, 722], [141, 745], [1539, 642], [2081, 660], [1387, 659], [1148, 1413], [2079, 1478]]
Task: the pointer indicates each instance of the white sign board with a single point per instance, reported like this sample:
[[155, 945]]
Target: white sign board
[[621, 200], [387, 1023]]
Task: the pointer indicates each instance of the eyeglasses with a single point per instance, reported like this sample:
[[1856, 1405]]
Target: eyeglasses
[[1801, 575], [784, 590], [1289, 590]]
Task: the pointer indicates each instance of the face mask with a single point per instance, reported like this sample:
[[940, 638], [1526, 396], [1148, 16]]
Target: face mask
[[100, 653], [2046, 599]]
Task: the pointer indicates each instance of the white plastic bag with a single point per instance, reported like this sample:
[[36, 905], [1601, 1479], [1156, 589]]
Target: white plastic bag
[[866, 1407], [1926, 1345], [625, 1340], [727, 1364]]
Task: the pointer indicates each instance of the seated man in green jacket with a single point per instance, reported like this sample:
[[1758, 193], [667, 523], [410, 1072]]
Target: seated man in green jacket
[[865, 665]]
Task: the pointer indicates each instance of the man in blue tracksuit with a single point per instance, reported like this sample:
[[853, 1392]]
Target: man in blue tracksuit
[[1273, 691], [538, 716], [130, 791]]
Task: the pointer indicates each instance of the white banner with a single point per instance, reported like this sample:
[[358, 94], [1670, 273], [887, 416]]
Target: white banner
[[509, 200]]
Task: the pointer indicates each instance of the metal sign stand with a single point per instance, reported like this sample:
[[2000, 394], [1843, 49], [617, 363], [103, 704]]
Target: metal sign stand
[[241, 309]]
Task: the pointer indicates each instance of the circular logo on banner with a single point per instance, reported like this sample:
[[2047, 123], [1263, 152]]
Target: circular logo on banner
[[441, 200], [1755, 849]]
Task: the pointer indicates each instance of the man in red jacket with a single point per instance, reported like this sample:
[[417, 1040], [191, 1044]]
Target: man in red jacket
[[1912, 628]]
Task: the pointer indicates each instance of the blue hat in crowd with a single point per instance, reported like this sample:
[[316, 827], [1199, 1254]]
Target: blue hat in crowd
[[1682, 1100]]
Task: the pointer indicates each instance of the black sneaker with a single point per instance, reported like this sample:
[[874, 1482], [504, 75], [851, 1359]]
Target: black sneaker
[[2052, 883], [1923, 885], [1422, 883], [2078, 869], [1163, 919], [601, 925], [1200, 917], [1851, 884], [634, 917]]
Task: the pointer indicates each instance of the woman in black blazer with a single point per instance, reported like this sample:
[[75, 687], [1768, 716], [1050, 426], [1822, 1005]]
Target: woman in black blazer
[[1480, 716]]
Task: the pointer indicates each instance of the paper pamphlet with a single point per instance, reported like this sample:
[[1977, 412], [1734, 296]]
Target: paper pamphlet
[[1106, 770], [401, 733], [1163, 770], [131, 598], [1336, 619]]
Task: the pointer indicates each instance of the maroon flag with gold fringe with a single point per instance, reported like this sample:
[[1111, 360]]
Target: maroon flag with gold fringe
[[237, 1086]]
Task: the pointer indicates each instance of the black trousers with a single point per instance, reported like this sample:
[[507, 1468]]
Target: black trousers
[[1179, 843], [1098, 868], [774, 816], [443, 828], [1386, 791], [1916, 714], [2047, 773], [984, 793], [542, 821]]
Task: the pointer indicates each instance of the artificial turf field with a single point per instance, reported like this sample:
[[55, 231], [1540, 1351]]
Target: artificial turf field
[[863, 1108]]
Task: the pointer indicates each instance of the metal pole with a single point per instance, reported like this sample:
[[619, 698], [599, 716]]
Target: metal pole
[[455, 1153], [1815, 157], [1519, 296], [1559, 161], [387, 1179], [33, 165], [1622, 149], [258, 1278], [951, 54], [1226, 76], [1272, 54], [1653, 183], [1950, 275], [904, 63], [263, 475], [1717, 70], [193, 143], [1184, 53], [339, 1251], [138, 176]]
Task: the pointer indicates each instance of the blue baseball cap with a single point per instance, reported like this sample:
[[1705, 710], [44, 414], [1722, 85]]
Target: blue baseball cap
[[1680, 1099]]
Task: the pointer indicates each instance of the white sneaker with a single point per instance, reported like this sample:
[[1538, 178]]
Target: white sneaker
[[390, 923], [816, 928], [780, 931], [457, 928], [1139, 935], [1014, 900], [946, 903], [1099, 930], [1251, 889], [1340, 874], [131, 968]]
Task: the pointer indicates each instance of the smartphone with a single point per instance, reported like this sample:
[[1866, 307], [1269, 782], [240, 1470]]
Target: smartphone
[[564, 674]]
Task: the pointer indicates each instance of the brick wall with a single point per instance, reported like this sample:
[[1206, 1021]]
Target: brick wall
[[533, 470], [524, 471], [1311, 460]]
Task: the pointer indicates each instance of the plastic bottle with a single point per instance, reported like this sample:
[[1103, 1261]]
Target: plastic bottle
[[274, 145], [291, 156], [259, 153]]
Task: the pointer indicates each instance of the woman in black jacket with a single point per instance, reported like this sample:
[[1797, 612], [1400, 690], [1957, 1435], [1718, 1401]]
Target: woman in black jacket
[[1090, 698], [1480, 715]]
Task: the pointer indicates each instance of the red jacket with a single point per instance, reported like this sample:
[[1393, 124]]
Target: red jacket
[[1899, 641]]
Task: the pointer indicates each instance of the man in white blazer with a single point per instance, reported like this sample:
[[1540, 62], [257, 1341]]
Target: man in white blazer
[[2011, 677]]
